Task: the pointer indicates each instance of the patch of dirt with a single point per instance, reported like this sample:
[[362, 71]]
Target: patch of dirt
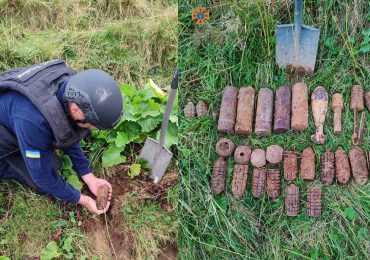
[[122, 240]]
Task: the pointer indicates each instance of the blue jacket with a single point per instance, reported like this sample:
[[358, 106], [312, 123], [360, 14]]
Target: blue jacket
[[35, 139]]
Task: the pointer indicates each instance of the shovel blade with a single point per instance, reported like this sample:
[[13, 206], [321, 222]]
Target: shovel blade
[[304, 59], [158, 161]]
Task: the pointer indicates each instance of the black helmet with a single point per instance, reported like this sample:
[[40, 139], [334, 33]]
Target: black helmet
[[97, 95]]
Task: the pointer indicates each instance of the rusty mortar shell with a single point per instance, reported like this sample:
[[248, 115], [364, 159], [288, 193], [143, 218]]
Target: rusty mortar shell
[[358, 165], [319, 103], [189, 110], [245, 111], [265, 105], [299, 120], [327, 168], [290, 165], [258, 182], [226, 120], [201, 108], [242, 154], [274, 154], [292, 200], [283, 104], [314, 201], [258, 158], [308, 164], [218, 180], [342, 167], [337, 106], [357, 98], [225, 147], [239, 182], [273, 183]]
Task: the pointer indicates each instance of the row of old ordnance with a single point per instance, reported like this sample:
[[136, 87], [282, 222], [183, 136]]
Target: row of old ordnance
[[290, 110], [336, 165]]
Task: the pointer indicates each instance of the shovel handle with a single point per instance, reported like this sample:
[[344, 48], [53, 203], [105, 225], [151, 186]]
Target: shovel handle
[[298, 24]]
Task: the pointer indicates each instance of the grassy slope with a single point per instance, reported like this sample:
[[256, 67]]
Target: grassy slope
[[133, 40], [237, 47]]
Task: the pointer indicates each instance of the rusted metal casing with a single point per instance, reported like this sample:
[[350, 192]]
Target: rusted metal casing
[[258, 158], [357, 98], [314, 201], [327, 168], [273, 183], [292, 200], [283, 104], [299, 120], [201, 108], [224, 147], [274, 154], [239, 180], [308, 164], [343, 170], [319, 103], [226, 120], [242, 154], [337, 106], [290, 166], [358, 165], [258, 182], [245, 111], [218, 180], [189, 110], [265, 105]]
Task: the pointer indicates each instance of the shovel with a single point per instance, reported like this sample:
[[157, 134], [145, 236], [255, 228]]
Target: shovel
[[157, 155], [296, 44]]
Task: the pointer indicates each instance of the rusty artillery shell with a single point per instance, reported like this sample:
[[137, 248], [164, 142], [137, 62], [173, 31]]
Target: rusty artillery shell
[[258, 158], [239, 180], [226, 120], [292, 200], [273, 183], [242, 154], [201, 108], [264, 112], [308, 164], [357, 98], [299, 120], [367, 100], [218, 180], [314, 201], [290, 166], [327, 168], [245, 111], [224, 147], [189, 110], [274, 154], [343, 170], [358, 165], [258, 182], [337, 106], [283, 105]]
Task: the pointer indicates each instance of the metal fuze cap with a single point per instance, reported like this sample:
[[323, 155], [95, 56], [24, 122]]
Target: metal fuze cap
[[98, 96]]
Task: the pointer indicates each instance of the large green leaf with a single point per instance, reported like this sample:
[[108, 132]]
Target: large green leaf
[[171, 137], [75, 181], [149, 124], [122, 139], [128, 90], [112, 156], [50, 251], [134, 170]]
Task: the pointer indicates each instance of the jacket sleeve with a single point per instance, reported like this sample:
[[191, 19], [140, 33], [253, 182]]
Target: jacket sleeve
[[78, 158], [35, 143]]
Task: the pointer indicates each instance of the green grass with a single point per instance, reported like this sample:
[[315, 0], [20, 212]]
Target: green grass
[[237, 47]]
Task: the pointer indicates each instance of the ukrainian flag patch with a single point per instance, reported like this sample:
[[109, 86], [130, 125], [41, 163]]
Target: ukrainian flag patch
[[33, 154]]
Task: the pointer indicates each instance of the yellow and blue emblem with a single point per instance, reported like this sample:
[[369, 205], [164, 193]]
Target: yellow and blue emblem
[[33, 154]]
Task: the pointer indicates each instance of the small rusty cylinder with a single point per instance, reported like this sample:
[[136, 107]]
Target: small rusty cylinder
[[189, 110], [242, 154], [292, 200], [314, 201], [358, 165], [258, 158], [308, 164], [273, 183], [264, 112], [245, 111], [218, 180], [224, 147], [239, 180], [343, 170], [102, 198], [357, 98], [258, 182], [367, 100], [299, 120], [290, 166], [337, 106], [283, 105], [274, 154], [226, 120], [327, 168], [201, 108]]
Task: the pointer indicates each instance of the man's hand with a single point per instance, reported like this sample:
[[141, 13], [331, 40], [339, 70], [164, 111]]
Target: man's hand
[[90, 204], [95, 183]]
